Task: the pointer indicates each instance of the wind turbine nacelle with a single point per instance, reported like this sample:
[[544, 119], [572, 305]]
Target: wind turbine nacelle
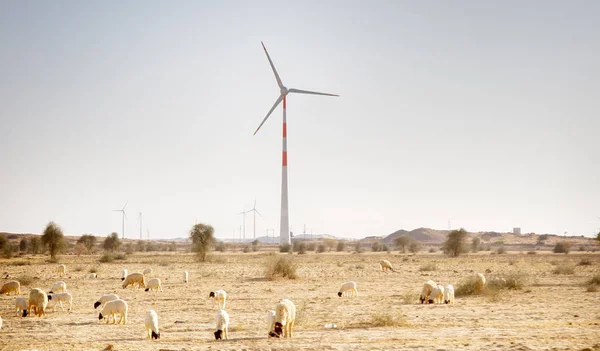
[[284, 91]]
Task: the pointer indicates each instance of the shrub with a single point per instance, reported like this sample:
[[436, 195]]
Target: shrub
[[27, 280], [78, 269], [120, 257], [93, 270], [202, 236], [301, 249], [565, 269], [221, 247], [311, 247], [53, 239], [402, 242], [140, 246], [20, 263], [129, 249], [340, 246], [280, 266], [88, 241], [23, 245], [432, 250], [357, 247], [285, 248], [80, 249], [581, 248], [595, 280], [9, 250], [455, 243], [34, 245], [106, 258], [562, 247], [387, 319], [428, 267], [585, 262], [112, 242], [321, 248], [531, 252], [506, 281], [466, 287], [475, 243], [501, 250], [414, 247], [376, 247], [247, 249], [3, 241], [592, 288]]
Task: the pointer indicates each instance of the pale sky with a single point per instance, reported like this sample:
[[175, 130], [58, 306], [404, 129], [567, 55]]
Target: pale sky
[[485, 112]]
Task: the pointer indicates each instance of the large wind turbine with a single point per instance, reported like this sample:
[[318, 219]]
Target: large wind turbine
[[243, 213], [124, 216], [254, 221], [284, 229]]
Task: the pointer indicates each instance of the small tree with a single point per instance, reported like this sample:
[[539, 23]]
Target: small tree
[[80, 249], [455, 242], [3, 241], [562, 247], [53, 239], [140, 246], [598, 237], [202, 236], [330, 243], [112, 242], [376, 247], [23, 244], [402, 242], [88, 241], [415, 246], [475, 244], [340, 245], [357, 247], [34, 245]]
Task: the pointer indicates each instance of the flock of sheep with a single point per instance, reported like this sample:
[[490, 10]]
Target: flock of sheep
[[280, 322]]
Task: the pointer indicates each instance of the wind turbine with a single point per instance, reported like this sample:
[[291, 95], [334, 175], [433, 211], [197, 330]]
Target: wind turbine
[[255, 212], [124, 216], [243, 213], [284, 229]]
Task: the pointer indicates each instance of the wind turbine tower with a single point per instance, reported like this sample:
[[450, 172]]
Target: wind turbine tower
[[255, 212], [243, 213], [124, 216], [284, 229]]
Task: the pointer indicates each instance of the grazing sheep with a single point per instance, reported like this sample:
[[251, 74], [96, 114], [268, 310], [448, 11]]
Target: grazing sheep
[[105, 298], [124, 274], [285, 316], [479, 283], [58, 287], [385, 266], [38, 301], [270, 322], [222, 319], [148, 271], [449, 294], [7, 276], [185, 276], [151, 322], [133, 279], [21, 305], [153, 284], [60, 298], [92, 276], [348, 288], [61, 269], [437, 295], [426, 291], [112, 308], [219, 296], [12, 286]]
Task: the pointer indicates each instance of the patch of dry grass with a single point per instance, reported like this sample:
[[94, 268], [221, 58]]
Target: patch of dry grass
[[585, 262], [429, 267], [26, 280], [280, 266], [387, 319], [566, 269]]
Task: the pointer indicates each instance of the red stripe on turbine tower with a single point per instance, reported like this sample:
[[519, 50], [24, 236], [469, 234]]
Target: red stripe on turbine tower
[[285, 130], [284, 159]]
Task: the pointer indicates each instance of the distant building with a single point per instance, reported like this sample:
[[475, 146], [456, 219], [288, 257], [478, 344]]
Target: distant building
[[517, 231]]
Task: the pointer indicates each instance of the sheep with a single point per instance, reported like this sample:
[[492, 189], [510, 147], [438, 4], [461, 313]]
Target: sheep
[[219, 296], [12, 286], [222, 319], [185, 276], [449, 294], [437, 294], [7, 276], [38, 301], [58, 287], [270, 322], [285, 316], [426, 291], [134, 278], [479, 283], [92, 276], [21, 305], [60, 298], [385, 265], [151, 322], [348, 288], [105, 298], [154, 283], [148, 271], [124, 274], [112, 308], [61, 269]]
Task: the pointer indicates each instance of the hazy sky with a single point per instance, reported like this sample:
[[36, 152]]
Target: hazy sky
[[485, 112]]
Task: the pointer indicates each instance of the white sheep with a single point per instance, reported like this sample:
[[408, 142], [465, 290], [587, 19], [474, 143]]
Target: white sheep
[[148, 271], [58, 287], [479, 283], [38, 301], [285, 316], [437, 295], [185, 276], [124, 274], [154, 284], [60, 298], [426, 291], [348, 288], [222, 320], [151, 322], [133, 279], [12, 286], [270, 322], [92, 276], [448, 294], [21, 305], [219, 296], [105, 298], [7, 276], [113, 308], [386, 265], [61, 269]]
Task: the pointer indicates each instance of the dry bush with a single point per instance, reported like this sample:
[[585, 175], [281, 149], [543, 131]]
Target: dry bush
[[163, 263], [215, 259], [531, 252], [409, 297], [387, 319], [20, 263], [562, 247], [78, 269], [27, 280], [506, 281], [280, 266], [592, 288], [430, 267], [566, 269], [466, 287], [595, 280], [501, 250], [585, 262], [93, 270], [106, 258]]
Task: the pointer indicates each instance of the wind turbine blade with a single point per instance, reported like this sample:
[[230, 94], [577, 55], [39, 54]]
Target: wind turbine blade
[[298, 91], [270, 111], [258, 212], [125, 215], [273, 67], [254, 204], [117, 210], [125, 204]]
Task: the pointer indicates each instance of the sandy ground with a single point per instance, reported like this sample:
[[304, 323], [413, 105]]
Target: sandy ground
[[550, 312]]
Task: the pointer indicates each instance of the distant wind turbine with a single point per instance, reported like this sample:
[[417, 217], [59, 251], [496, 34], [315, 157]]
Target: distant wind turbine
[[124, 216], [243, 213], [255, 212], [284, 228]]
